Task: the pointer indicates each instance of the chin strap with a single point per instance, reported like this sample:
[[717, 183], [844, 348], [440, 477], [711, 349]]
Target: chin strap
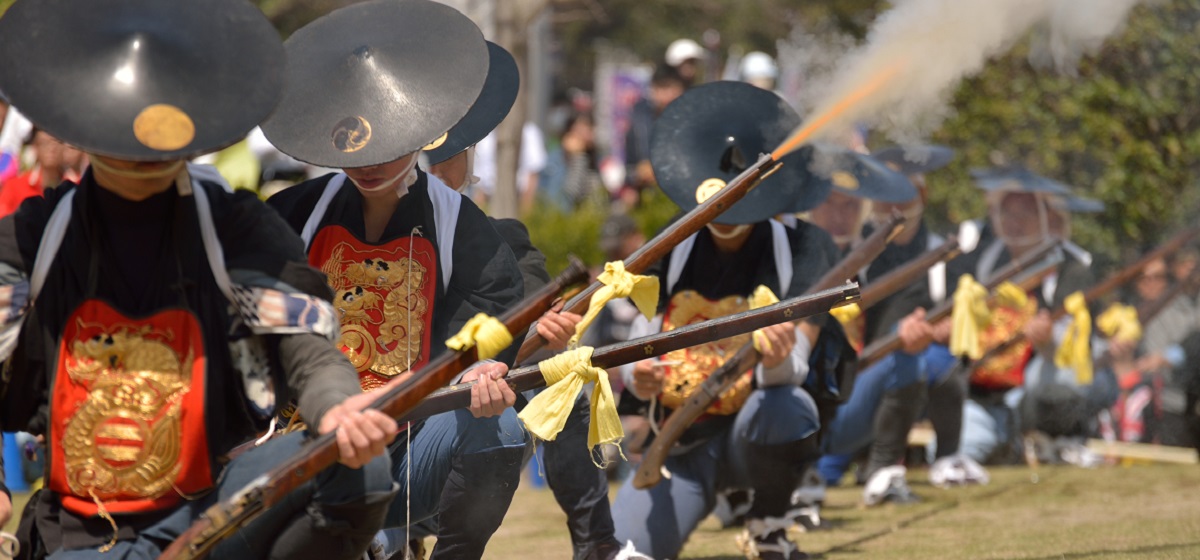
[[169, 171], [409, 176]]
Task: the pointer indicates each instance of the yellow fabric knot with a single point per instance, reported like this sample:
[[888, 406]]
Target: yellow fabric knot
[[762, 297], [1075, 351], [846, 314], [1120, 322], [619, 283], [565, 375], [1011, 296], [971, 315], [488, 333]]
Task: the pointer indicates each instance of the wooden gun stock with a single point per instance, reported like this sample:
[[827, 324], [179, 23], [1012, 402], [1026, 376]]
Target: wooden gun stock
[[1112, 282], [885, 345], [664, 242], [649, 472], [879, 289], [223, 519], [530, 377]]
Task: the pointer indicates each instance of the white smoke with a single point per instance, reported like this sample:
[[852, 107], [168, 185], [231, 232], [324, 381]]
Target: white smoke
[[807, 59], [925, 47]]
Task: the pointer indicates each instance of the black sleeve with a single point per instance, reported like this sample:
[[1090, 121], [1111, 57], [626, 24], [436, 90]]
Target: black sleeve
[[813, 254], [21, 231], [24, 395], [530, 260], [256, 238], [485, 277], [1073, 276], [881, 318], [295, 203], [318, 374]]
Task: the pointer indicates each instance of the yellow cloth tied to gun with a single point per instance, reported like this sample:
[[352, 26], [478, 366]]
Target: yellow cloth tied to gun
[[619, 283], [846, 314], [1010, 295], [565, 375], [1120, 322], [1075, 352], [762, 297], [970, 316], [488, 333]]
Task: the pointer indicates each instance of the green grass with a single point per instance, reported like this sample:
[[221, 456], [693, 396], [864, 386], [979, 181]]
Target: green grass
[[19, 500], [1110, 513]]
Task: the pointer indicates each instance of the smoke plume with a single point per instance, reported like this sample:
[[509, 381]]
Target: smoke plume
[[925, 47]]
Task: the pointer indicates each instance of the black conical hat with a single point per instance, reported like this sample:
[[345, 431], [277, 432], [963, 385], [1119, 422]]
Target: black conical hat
[[372, 82], [143, 80], [712, 133], [1019, 179], [911, 160], [494, 102], [857, 174]]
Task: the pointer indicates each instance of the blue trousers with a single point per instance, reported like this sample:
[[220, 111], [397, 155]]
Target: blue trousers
[[853, 427], [439, 446], [335, 486], [579, 486], [659, 520]]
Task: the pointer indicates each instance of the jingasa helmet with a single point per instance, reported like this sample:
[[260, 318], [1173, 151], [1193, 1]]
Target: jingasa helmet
[[911, 160], [494, 102], [712, 133], [857, 174], [142, 80], [374, 81]]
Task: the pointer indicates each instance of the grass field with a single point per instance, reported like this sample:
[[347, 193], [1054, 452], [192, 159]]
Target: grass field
[[1108, 513], [1069, 513]]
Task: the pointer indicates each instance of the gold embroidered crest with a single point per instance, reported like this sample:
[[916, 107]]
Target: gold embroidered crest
[[695, 364], [383, 308], [124, 439]]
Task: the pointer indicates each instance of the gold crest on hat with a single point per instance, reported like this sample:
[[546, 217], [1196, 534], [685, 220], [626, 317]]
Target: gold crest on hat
[[437, 143], [708, 188], [351, 134], [845, 180], [164, 127]]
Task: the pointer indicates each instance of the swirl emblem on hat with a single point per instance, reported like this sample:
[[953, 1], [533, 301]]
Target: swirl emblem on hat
[[164, 127], [351, 134]]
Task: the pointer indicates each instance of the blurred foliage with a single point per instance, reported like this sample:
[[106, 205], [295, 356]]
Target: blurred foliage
[[646, 28], [1125, 131], [558, 234]]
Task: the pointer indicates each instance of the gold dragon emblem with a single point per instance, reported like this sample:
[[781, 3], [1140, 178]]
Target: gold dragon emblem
[[124, 440]]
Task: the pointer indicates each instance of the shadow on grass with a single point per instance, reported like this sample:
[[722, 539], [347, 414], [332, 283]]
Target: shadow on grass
[[1137, 550]]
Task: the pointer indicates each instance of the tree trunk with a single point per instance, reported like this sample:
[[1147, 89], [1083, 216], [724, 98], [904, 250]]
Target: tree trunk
[[512, 19]]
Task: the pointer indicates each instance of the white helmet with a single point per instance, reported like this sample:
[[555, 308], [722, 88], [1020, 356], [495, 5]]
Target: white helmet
[[758, 65], [682, 50]]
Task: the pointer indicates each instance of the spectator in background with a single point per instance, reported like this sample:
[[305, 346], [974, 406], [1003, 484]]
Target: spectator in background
[[685, 56], [571, 175], [1163, 358], [56, 162], [759, 69], [14, 129], [532, 161], [665, 86]]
